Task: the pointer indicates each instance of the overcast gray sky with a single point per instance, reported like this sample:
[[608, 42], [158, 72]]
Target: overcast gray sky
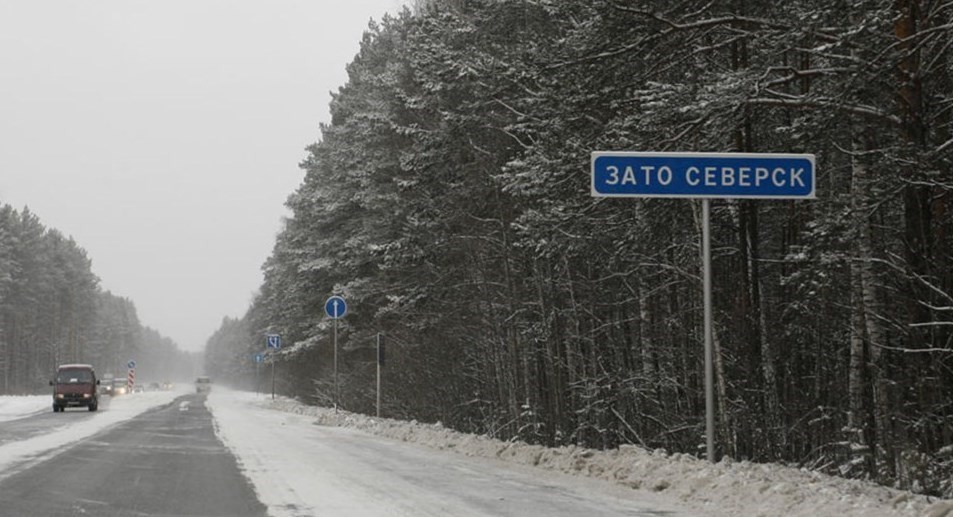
[[165, 136]]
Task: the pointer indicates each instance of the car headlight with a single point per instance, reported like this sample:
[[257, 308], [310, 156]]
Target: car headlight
[[60, 396], [86, 395]]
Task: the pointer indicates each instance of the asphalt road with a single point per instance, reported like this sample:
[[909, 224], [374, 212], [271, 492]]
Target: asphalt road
[[41, 423], [164, 462]]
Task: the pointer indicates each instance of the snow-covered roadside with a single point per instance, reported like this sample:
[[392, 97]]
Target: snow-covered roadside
[[298, 468], [15, 456], [739, 488], [14, 407]]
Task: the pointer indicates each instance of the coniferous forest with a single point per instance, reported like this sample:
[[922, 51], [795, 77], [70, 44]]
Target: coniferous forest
[[448, 200], [53, 311]]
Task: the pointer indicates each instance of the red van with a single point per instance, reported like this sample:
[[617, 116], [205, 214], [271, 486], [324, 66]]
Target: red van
[[75, 385]]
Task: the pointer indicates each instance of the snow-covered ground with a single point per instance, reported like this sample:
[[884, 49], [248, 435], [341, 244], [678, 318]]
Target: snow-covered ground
[[302, 469], [14, 407], [15, 456], [283, 469]]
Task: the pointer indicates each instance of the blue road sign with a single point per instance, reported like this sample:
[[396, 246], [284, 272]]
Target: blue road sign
[[274, 341], [703, 175], [335, 307], [131, 364], [259, 358]]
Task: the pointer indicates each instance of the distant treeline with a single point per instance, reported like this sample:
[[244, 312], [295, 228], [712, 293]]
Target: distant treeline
[[52, 311], [448, 200]]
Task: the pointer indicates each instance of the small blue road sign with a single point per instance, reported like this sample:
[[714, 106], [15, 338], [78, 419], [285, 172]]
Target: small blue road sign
[[274, 341], [335, 307], [703, 175], [131, 364], [259, 358]]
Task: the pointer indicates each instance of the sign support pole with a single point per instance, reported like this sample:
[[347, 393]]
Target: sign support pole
[[709, 367], [378, 375], [274, 343], [335, 308], [337, 393]]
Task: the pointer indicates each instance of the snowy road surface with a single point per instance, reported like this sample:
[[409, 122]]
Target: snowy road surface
[[239, 454], [303, 469], [180, 454], [165, 461], [30, 432]]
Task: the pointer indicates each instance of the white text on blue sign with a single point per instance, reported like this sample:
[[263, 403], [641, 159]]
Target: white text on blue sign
[[701, 175]]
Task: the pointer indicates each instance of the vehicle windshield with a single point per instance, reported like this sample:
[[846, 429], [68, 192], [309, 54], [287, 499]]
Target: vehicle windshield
[[74, 376]]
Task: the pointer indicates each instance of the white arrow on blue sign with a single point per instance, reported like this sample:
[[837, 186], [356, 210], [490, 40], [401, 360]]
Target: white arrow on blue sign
[[131, 364], [703, 175], [274, 341], [335, 307], [259, 358]]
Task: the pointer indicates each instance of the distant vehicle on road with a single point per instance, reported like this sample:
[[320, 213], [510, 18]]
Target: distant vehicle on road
[[120, 386], [138, 388], [106, 384], [153, 386], [75, 386], [203, 385]]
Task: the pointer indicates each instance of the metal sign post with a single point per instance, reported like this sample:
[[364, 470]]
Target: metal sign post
[[335, 308], [709, 353], [274, 343], [380, 363], [704, 176], [337, 391], [258, 360]]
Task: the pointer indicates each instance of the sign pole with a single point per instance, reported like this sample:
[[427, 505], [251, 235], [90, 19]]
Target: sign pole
[[709, 367], [274, 343], [337, 394], [335, 308], [378, 375]]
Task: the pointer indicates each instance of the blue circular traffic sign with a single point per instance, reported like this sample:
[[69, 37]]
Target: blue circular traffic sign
[[131, 364], [335, 307]]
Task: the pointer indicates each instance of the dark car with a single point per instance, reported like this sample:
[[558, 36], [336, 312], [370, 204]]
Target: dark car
[[75, 386]]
